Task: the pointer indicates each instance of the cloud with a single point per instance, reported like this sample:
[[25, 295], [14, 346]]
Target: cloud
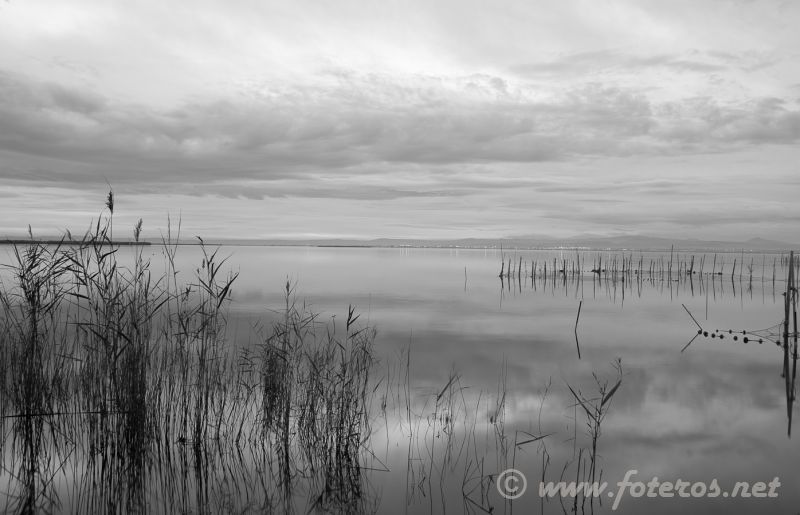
[[703, 121], [359, 124], [582, 63]]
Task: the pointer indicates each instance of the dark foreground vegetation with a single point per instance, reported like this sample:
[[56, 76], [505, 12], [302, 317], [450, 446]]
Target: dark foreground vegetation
[[121, 391], [114, 372]]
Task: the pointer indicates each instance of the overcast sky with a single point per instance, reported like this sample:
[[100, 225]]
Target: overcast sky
[[420, 119]]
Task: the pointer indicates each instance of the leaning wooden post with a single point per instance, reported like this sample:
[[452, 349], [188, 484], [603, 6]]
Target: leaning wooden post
[[794, 328], [578, 345], [787, 303]]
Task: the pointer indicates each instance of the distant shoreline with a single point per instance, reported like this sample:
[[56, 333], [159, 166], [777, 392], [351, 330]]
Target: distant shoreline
[[505, 247], [71, 242]]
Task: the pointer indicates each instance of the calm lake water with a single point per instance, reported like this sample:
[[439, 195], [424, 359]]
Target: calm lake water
[[716, 411]]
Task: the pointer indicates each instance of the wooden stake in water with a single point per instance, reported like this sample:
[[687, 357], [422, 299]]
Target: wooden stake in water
[[794, 327], [773, 274], [740, 268], [578, 345], [670, 262], [786, 375]]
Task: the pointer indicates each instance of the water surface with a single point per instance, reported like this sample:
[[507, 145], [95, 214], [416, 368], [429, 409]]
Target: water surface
[[715, 411]]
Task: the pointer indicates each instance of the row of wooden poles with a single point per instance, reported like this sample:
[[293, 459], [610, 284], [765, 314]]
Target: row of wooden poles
[[626, 268], [790, 338]]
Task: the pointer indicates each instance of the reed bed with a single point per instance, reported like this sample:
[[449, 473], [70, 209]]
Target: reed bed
[[128, 371], [121, 391]]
